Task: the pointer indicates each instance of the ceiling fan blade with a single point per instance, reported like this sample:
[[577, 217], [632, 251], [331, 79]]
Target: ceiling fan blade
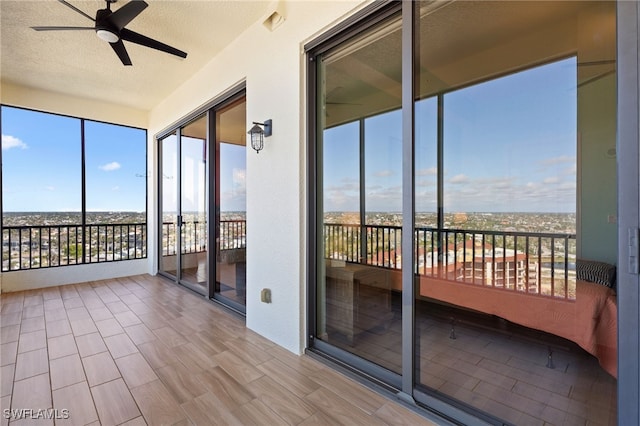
[[76, 9], [121, 51], [62, 28], [126, 13], [136, 38]]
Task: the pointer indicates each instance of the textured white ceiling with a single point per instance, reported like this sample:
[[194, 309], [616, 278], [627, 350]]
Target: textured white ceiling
[[78, 63]]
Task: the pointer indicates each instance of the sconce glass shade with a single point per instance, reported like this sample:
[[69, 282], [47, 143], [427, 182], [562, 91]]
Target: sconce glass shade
[[257, 137]]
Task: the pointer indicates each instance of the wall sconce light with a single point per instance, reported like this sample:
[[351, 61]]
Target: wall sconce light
[[258, 132]]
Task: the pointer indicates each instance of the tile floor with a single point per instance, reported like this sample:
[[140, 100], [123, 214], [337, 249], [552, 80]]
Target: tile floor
[[140, 350]]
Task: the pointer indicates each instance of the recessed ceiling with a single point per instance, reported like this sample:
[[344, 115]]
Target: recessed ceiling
[[78, 63]]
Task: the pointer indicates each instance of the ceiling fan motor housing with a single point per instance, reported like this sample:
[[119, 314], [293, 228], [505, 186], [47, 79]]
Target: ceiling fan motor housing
[[104, 28]]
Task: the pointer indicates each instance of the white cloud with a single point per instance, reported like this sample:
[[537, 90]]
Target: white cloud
[[384, 173], [9, 142], [552, 179], [431, 171], [109, 167], [459, 179]]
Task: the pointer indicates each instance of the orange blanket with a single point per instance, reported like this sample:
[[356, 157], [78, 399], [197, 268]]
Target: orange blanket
[[590, 320]]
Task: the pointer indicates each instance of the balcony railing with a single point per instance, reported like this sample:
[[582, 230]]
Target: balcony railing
[[194, 236], [45, 246], [535, 263]]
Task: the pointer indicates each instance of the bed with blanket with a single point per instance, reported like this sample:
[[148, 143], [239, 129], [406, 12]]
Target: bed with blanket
[[589, 320]]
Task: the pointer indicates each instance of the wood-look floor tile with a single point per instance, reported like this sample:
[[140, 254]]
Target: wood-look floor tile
[[100, 368], [11, 318], [226, 388], [32, 363], [33, 298], [138, 421], [361, 397], [78, 313], [320, 418], [75, 302], [248, 351], [193, 358], [83, 326], [157, 404], [32, 341], [90, 344], [392, 413], [153, 320], [117, 306], [114, 403], [158, 354], [33, 392], [135, 370], [339, 409], [10, 333], [169, 336], [180, 382], [289, 377], [196, 415], [239, 369], [6, 379], [32, 311], [99, 314], [283, 402], [109, 327], [209, 346], [215, 409], [120, 345], [11, 307], [140, 333], [8, 353], [257, 412], [62, 346], [58, 328], [127, 318], [77, 399], [32, 324], [139, 308], [55, 315], [53, 304], [66, 371], [5, 404]]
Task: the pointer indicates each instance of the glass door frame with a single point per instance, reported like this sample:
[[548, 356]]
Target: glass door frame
[[209, 109]]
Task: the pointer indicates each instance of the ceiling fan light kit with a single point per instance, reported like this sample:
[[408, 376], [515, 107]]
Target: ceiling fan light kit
[[110, 27]]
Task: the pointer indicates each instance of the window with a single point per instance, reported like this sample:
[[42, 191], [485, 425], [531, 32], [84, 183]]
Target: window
[[73, 190]]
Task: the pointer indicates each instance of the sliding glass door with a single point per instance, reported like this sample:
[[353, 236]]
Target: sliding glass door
[[203, 203], [463, 161], [183, 187], [231, 203]]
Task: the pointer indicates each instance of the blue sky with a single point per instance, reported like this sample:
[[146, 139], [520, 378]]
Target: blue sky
[[509, 145], [41, 161], [231, 179]]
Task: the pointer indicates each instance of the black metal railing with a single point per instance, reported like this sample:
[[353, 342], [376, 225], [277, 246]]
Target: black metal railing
[[44, 246], [536, 263], [232, 236]]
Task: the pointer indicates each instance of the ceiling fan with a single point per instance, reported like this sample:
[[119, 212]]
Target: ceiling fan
[[110, 27]]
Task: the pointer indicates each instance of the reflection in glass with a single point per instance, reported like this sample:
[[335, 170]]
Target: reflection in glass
[[231, 202], [358, 288], [168, 189], [193, 203], [505, 103]]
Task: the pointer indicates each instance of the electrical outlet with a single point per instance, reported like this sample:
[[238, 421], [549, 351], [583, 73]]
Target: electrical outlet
[[265, 295]]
